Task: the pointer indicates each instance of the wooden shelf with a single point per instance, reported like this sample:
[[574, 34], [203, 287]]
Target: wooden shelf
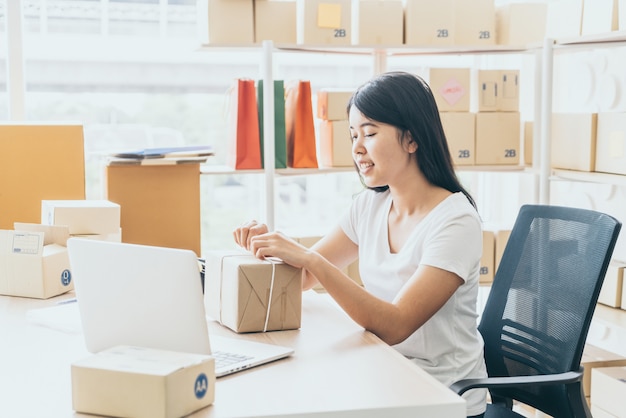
[[588, 177]]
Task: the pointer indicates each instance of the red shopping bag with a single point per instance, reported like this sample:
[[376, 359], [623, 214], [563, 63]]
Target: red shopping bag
[[243, 127], [300, 127]]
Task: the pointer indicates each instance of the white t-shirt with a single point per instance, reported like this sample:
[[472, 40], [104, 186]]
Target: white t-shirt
[[448, 345]]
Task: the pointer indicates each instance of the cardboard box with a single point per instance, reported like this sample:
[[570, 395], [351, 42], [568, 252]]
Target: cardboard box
[[377, 22], [49, 162], [226, 22], [600, 413], [34, 261], [594, 357], [608, 390], [460, 128], [599, 16], [474, 22], [324, 22], [429, 23], [611, 143], [612, 288], [267, 13], [501, 238], [237, 288], [82, 216], [335, 144], [160, 204], [332, 103], [564, 19], [497, 90], [497, 138], [512, 23], [529, 132], [574, 141], [127, 381], [487, 261], [451, 88]]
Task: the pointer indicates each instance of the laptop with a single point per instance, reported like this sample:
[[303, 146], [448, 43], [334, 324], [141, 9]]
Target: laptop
[[131, 294]]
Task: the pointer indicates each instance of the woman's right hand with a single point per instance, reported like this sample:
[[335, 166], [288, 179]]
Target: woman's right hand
[[245, 232]]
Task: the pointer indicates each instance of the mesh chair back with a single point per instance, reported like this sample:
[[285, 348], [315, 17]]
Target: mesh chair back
[[543, 297]]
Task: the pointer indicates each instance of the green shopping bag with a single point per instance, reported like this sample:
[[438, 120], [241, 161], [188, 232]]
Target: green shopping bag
[[280, 138]]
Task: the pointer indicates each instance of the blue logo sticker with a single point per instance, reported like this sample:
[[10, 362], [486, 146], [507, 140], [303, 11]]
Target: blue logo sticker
[[66, 277], [201, 386]]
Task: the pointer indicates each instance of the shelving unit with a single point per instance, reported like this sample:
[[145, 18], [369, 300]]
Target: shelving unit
[[379, 56]]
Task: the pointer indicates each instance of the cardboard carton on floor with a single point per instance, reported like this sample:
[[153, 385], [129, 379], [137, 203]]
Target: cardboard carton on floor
[[34, 261], [83, 217], [127, 381], [608, 390], [238, 286]]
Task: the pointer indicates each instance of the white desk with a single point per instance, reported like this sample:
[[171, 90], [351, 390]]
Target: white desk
[[338, 370]]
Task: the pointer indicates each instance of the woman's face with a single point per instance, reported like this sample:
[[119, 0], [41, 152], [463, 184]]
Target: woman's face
[[378, 152]]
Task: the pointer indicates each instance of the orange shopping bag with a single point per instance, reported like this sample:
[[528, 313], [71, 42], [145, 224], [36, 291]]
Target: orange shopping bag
[[243, 126], [300, 128]]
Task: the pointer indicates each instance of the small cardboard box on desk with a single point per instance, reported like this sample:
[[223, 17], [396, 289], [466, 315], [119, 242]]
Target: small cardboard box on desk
[[34, 262], [238, 286], [82, 217], [127, 381]]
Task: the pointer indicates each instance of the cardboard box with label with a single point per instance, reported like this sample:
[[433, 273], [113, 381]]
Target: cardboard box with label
[[38, 162], [501, 238], [335, 144], [611, 143], [429, 23], [324, 22], [497, 91], [82, 217], [612, 287], [451, 88], [34, 261], [377, 22], [512, 23], [594, 357], [332, 104], [474, 22], [608, 390], [574, 141], [128, 381], [225, 22], [238, 286], [497, 138], [487, 261], [460, 131], [267, 13]]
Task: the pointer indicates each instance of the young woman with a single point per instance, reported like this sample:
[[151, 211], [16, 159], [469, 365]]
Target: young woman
[[414, 229]]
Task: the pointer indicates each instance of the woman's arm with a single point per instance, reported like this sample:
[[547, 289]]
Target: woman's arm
[[421, 297]]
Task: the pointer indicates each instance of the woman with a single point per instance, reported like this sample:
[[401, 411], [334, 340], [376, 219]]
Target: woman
[[414, 229]]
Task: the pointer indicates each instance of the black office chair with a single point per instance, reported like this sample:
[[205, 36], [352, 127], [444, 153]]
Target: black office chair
[[539, 309]]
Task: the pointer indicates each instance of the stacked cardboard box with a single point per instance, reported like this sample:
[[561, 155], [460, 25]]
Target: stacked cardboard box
[[333, 128]]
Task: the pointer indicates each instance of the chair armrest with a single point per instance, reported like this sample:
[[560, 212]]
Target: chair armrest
[[464, 385]]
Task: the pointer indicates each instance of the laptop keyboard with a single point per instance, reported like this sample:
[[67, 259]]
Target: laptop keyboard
[[224, 359]]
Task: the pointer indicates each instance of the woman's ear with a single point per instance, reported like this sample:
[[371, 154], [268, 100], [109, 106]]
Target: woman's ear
[[409, 144]]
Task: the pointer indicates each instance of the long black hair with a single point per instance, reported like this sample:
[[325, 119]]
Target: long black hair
[[404, 100]]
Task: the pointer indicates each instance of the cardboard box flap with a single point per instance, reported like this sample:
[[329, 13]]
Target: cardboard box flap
[[18, 243], [53, 234]]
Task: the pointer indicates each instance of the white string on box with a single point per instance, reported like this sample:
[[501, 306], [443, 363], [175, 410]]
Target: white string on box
[[269, 301]]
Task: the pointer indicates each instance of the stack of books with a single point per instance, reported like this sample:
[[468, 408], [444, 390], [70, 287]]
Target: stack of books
[[163, 156]]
